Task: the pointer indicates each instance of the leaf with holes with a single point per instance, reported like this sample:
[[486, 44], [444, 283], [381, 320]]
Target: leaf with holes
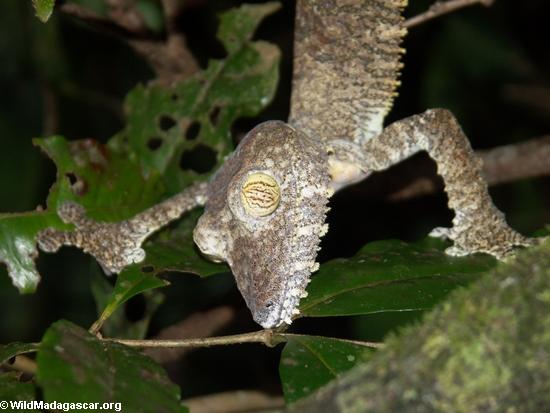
[[108, 183], [75, 366], [309, 362], [174, 135], [390, 276], [184, 132]]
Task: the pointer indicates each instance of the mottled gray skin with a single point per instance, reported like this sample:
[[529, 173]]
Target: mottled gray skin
[[345, 74], [116, 245], [346, 66], [272, 256]]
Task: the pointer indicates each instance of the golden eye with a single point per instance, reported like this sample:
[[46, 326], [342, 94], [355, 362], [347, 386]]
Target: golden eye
[[260, 194]]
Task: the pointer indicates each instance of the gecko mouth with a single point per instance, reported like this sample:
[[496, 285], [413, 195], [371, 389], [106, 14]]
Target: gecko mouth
[[273, 278], [282, 309]]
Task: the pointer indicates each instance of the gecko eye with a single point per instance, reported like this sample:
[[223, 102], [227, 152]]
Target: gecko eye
[[260, 194]]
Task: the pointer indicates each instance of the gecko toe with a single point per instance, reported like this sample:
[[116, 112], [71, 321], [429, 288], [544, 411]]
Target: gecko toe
[[50, 239], [71, 213], [441, 233]]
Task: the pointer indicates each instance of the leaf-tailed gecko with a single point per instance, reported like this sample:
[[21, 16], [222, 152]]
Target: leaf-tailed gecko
[[265, 208]]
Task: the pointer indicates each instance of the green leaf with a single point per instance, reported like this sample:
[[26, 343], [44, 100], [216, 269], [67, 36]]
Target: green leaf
[[183, 133], [13, 390], [18, 245], [152, 14], [176, 251], [7, 351], [130, 282], [172, 251], [238, 25], [75, 366], [118, 325], [111, 186], [390, 276], [174, 135], [309, 362], [43, 9]]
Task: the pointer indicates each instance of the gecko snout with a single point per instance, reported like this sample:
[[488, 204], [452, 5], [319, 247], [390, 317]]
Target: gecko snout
[[211, 243]]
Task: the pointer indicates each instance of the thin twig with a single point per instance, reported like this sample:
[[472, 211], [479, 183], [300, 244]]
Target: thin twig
[[263, 337], [201, 324], [125, 14], [234, 402], [266, 337], [172, 9], [170, 58], [507, 163], [534, 97], [439, 8], [83, 13]]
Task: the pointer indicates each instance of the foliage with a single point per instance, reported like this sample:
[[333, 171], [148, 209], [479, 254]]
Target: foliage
[[390, 276], [156, 154], [485, 349], [43, 9], [75, 366], [309, 362]]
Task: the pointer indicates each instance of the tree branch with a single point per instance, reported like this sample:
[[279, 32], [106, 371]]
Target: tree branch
[[266, 337], [202, 324], [439, 8], [502, 164], [269, 338], [234, 402], [508, 163], [169, 57]]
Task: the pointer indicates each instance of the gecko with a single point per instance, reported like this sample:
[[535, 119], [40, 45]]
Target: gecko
[[265, 208]]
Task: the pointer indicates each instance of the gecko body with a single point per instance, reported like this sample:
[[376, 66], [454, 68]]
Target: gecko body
[[265, 208]]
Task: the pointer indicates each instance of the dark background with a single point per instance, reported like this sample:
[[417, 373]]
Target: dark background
[[489, 66]]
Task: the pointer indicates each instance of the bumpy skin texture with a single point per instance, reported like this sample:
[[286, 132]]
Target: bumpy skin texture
[[271, 256], [345, 74], [346, 64], [118, 244], [478, 226]]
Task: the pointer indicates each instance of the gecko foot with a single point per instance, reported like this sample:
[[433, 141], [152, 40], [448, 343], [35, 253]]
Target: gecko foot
[[114, 245], [493, 237], [441, 233], [118, 244]]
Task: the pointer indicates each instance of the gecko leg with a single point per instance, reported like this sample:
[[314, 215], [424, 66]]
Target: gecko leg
[[478, 226], [118, 244]]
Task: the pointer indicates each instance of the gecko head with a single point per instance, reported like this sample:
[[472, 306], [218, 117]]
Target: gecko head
[[265, 217]]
